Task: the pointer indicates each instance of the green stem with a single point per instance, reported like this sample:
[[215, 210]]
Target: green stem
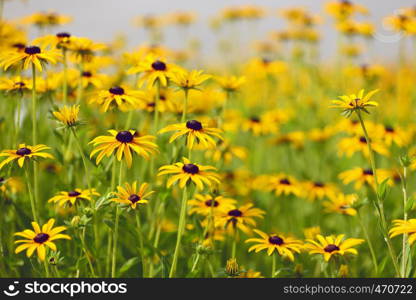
[[87, 256], [140, 236], [379, 203], [370, 244], [116, 225], [181, 227], [156, 109], [274, 256], [84, 159], [234, 245], [34, 133], [31, 196], [185, 106], [80, 87], [405, 236], [65, 77], [45, 264]]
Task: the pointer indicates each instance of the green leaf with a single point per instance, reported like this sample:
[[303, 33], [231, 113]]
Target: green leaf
[[383, 189], [409, 204], [127, 265]]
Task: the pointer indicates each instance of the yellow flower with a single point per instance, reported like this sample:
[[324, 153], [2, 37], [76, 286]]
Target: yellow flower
[[15, 84], [319, 190], [67, 115], [232, 269], [131, 194], [351, 103], [40, 238], [284, 245], [364, 176], [24, 151], [71, 197], [225, 152], [195, 132], [61, 40], [118, 97], [123, 142], [30, 55], [404, 227], [341, 204], [189, 172], [349, 145], [250, 274], [154, 69], [285, 185], [84, 49], [189, 80], [230, 83], [332, 245], [46, 19], [206, 204], [239, 218], [343, 9], [311, 232]]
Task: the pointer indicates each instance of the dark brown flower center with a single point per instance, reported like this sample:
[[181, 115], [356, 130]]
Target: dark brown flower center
[[190, 168], [74, 194], [32, 50], [363, 140], [368, 172], [41, 238], [23, 151], [63, 35], [19, 46], [212, 203], [276, 240], [319, 184], [285, 181], [389, 129], [159, 65], [331, 248], [255, 119], [134, 198], [194, 125], [124, 137], [116, 90], [235, 213], [89, 74]]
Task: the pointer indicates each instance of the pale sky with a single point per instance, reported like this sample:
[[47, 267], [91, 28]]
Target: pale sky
[[103, 19]]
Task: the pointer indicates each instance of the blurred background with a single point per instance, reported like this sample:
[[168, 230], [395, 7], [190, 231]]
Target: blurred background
[[103, 20]]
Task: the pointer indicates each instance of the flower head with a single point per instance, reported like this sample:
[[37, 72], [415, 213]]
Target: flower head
[[132, 194], [67, 115], [123, 142], [189, 80], [63, 198], [332, 245], [404, 227], [195, 132], [24, 152], [341, 204], [206, 204], [118, 97], [353, 102], [190, 172], [242, 217], [284, 245], [40, 238]]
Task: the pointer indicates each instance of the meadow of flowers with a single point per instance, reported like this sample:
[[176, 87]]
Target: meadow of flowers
[[153, 162]]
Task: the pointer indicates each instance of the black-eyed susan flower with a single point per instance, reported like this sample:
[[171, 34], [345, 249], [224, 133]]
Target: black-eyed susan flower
[[285, 185], [72, 197], [250, 274], [259, 125], [354, 102], [242, 218], [154, 69], [84, 49], [350, 145], [232, 269], [341, 204], [24, 152], [123, 142], [317, 190], [188, 80], [404, 227], [190, 172], [118, 97], [46, 19], [285, 246], [311, 232], [30, 55], [67, 115], [195, 133], [15, 85], [40, 238], [205, 204], [393, 135], [61, 40], [332, 245], [361, 176], [226, 152], [132, 194], [343, 9], [230, 83]]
